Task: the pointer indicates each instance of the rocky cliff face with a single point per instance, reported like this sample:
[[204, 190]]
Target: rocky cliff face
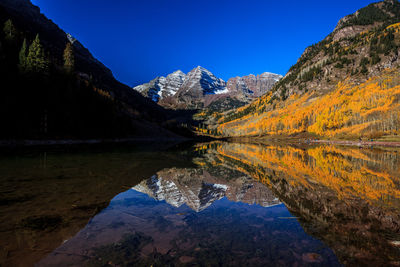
[[253, 85], [199, 88], [198, 189]]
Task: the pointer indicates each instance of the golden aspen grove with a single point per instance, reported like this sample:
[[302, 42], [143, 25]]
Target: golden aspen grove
[[371, 109], [345, 87]]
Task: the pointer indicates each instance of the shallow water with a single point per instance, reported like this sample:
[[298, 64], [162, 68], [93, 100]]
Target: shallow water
[[211, 204]]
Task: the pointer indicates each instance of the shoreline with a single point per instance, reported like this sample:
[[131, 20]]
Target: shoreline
[[313, 140], [95, 141], [355, 143]]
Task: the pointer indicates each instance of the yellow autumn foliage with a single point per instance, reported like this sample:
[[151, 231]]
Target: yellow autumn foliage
[[349, 110], [349, 172]]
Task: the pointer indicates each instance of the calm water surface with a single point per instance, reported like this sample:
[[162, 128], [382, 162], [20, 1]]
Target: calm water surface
[[211, 204]]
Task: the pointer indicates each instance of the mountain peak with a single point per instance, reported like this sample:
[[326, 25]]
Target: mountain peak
[[161, 86], [178, 72], [200, 82], [201, 70], [200, 86]]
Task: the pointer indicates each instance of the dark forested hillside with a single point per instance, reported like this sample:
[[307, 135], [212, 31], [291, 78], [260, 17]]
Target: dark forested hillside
[[52, 87]]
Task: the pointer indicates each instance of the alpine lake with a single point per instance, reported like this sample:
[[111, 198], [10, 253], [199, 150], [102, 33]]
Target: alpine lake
[[203, 204]]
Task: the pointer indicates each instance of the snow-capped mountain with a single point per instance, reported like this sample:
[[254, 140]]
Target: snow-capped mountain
[[200, 88], [196, 83], [162, 87], [199, 84], [202, 82]]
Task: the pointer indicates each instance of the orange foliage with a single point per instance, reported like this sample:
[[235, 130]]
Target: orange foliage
[[348, 172], [351, 110]]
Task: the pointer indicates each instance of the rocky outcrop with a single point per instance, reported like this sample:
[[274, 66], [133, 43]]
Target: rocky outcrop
[[252, 85]]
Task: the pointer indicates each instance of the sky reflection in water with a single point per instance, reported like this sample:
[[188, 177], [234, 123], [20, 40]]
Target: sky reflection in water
[[194, 223], [213, 204]]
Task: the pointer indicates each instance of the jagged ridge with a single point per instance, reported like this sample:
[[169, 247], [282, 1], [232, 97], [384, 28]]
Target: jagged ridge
[[200, 88]]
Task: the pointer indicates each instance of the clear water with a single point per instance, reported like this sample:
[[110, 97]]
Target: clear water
[[213, 204]]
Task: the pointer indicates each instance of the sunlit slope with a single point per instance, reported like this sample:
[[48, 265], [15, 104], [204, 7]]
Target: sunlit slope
[[346, 86], [369, 109]]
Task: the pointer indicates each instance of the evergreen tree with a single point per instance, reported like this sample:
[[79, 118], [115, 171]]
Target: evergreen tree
[[69, 60], [22, 57], [10, 32], [36, 60]]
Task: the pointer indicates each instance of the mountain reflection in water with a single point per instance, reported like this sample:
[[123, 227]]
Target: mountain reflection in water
[[215, 204], [190, 220], [198, 189]]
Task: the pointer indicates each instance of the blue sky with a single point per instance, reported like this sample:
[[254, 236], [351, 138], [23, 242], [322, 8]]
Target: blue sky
[[141, 39]]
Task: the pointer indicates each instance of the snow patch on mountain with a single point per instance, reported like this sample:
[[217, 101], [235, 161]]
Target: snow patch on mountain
[[201, 79], [200, 87], [162, 87]]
